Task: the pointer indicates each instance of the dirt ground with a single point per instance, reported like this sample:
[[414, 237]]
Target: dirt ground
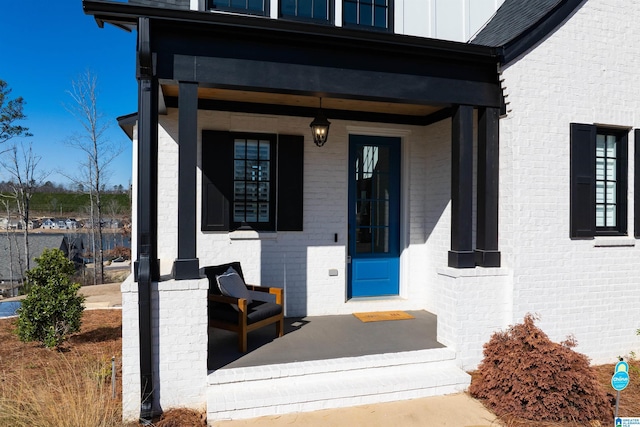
[[101, 338]]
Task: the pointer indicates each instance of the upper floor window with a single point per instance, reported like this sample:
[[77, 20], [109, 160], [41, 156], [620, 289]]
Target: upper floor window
[[252, 7], [598, 180], [370, 14], [307, 10]]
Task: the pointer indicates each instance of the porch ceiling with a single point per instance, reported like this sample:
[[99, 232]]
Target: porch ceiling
[[306, 102]]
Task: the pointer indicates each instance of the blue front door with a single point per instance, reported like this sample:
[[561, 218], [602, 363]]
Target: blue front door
[[374, 216]]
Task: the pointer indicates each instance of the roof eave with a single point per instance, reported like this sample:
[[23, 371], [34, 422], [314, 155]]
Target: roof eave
[[126, 15]]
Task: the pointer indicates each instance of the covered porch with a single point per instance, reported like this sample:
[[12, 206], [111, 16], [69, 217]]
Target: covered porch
[[328, 362], [201, 74]]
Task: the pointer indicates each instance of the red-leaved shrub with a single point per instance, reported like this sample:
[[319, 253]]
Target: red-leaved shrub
[[526, 375]]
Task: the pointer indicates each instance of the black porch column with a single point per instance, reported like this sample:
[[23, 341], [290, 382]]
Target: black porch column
[[462, 254], [186, 266], [487, 254]]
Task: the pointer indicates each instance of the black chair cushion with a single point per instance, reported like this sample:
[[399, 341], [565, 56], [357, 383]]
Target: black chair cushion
[[257, 311]]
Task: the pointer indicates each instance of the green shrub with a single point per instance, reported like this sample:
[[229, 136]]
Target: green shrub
[[53, 308]]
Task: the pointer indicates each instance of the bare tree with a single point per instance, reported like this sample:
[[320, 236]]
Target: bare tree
[[22, 165], [98, 150]]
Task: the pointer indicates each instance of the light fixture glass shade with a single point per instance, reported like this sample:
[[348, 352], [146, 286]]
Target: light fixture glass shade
[[320, 129]]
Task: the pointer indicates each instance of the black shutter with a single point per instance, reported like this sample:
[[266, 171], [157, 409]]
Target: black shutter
[[583, 171], [290, 182], [636, 183], [217, 180], [623, 177]]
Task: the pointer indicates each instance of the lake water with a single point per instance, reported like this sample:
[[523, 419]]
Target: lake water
[[8, 308]]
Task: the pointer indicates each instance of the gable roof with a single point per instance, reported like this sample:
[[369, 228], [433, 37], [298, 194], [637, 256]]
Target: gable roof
[[518, 25]]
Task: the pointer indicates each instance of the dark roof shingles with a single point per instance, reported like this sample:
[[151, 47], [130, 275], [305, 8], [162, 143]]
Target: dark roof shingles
[[512, 19]]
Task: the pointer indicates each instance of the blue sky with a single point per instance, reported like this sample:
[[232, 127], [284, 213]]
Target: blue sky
[[44, 46]]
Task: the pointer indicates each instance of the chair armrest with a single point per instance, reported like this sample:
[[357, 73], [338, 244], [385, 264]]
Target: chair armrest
[[223, 299], [278, 292]]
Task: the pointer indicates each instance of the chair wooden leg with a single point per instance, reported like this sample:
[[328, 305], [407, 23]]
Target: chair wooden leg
[[280, 328], [242, 341]]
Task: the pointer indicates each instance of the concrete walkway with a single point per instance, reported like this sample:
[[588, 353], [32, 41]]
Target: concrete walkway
[[455, 410]]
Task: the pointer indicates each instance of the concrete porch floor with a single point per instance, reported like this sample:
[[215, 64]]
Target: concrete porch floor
[[321, 338]]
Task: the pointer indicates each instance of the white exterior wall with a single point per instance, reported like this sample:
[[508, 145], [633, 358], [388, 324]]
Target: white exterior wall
[[300, 261], [179, 322], [586, 72]]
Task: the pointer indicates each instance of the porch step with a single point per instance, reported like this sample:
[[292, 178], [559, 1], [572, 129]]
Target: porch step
[[335, 383]]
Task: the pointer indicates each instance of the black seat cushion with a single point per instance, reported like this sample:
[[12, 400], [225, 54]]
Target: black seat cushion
[[257, 311]]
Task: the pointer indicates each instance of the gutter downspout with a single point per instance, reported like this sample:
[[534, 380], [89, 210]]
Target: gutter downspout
[[147, 265]]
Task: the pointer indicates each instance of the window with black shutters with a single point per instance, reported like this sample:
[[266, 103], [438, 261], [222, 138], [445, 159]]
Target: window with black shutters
[[251, 180], [598, 180]]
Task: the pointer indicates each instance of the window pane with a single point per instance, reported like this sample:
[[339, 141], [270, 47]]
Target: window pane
[[239, 170], [288, 7], [599, 192], [304, 8], [611, 146], [611, 192], [252, 149], [251, 190], [349, 12], [363, 213], [238, 4], [611, 169], [599, 215], [381, 240], [239, 212], [239, 149], [263, 213], [380, 17], [366, 13], [265, 152], [600, 168], [363, 240], [263, 172], [263, 191], [320, 9], [251, 212], [611, 215], [380, 214], [238, 190], [600, 145]]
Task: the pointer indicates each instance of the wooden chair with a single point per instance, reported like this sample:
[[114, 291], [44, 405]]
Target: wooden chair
[[247, 317]]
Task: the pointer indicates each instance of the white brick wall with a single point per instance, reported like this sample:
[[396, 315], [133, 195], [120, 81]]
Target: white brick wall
[[585, 72], [179, 321], [299, 261]]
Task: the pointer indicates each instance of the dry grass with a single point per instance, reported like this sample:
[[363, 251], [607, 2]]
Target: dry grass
[[72, 388], [45, 388]]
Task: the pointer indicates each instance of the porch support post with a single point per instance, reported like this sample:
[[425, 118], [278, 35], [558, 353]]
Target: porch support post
[[487, 254], [462, 254], [186, 266]]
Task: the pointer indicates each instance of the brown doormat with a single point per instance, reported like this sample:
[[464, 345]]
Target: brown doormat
[[381, 316]]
